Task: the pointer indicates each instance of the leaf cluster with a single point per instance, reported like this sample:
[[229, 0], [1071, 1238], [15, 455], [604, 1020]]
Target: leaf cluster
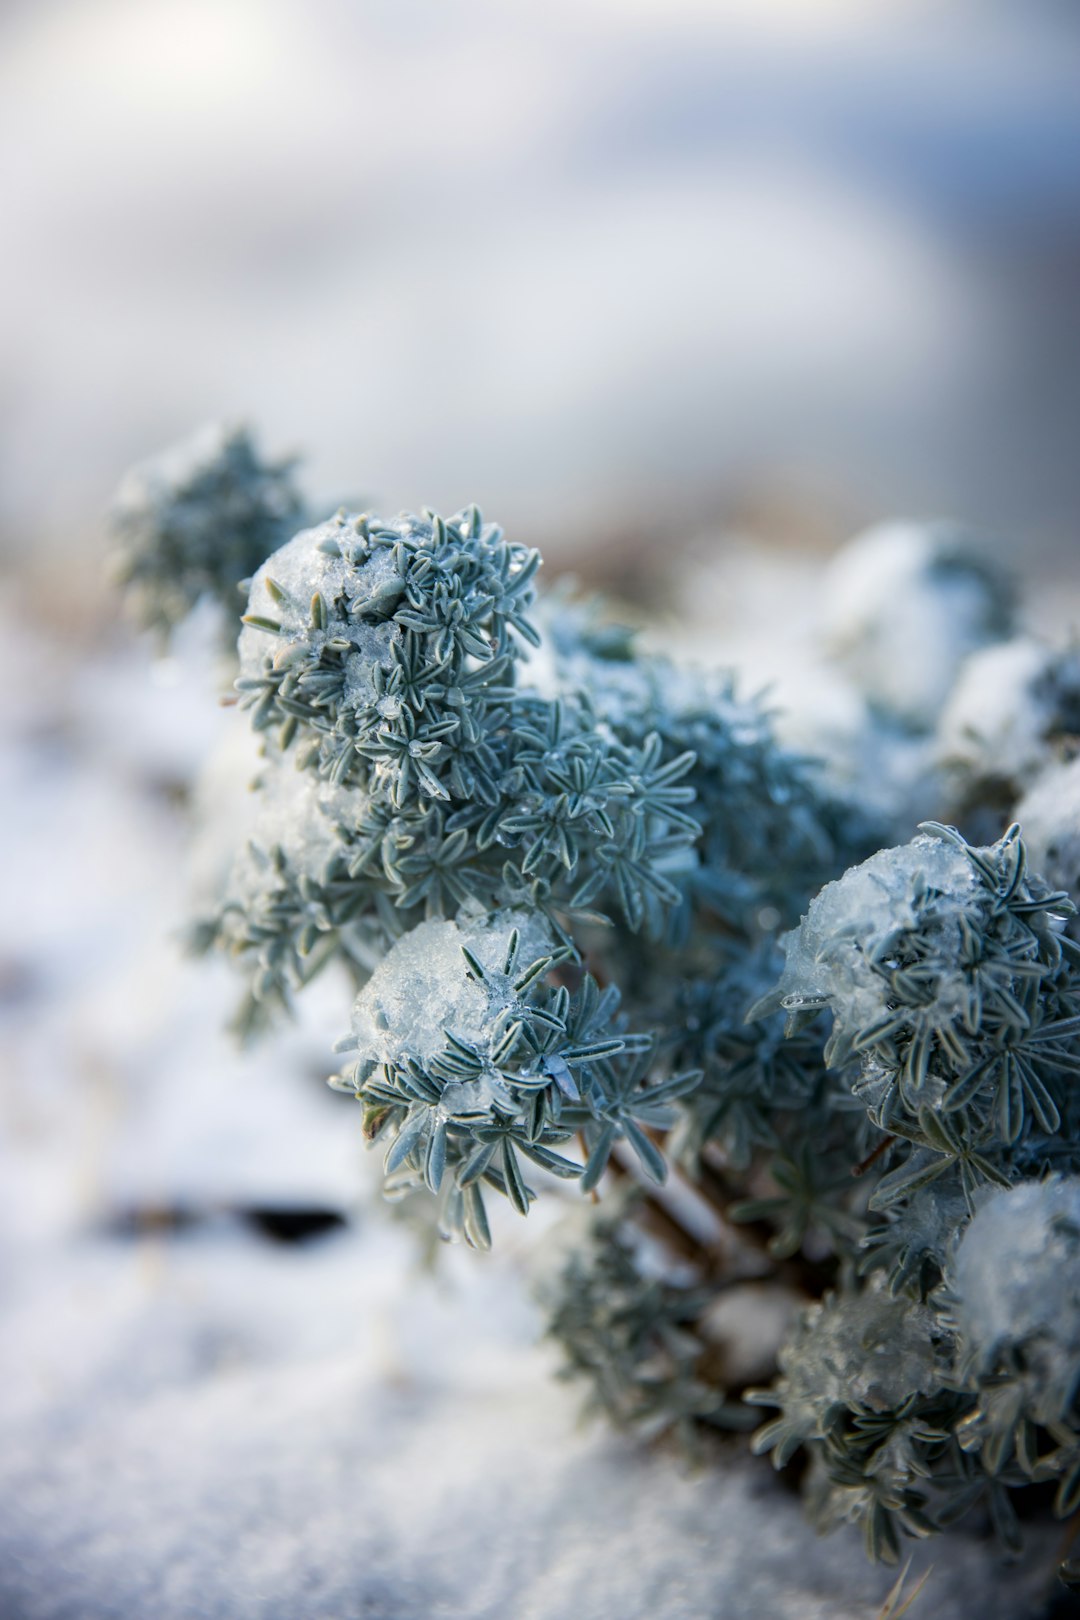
[[556, 869], [197, 522]]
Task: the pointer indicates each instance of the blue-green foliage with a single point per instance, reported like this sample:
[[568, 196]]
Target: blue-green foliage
[[955, 1002], [558, 870], [627, 815], [634, 1335], [197, 521]]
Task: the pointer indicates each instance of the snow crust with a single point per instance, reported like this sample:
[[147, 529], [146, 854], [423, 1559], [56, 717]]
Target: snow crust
[[305, 566], [326, 1490], [830, 957], [197, 1422], [292, 810], [1016, 1272], [423, 985], [868, 1350]]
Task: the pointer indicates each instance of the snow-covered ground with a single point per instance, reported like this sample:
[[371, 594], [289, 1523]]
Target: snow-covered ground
[[196, 1420]]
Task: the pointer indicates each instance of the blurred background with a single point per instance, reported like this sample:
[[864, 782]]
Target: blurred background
[[614, 268], [684, 292]]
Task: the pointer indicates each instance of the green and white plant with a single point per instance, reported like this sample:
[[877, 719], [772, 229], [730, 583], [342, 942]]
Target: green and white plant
[[566, 878]]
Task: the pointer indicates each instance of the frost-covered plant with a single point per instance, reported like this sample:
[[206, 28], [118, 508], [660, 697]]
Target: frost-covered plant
[[197, 521], [460, 819], [955, 1002], [558, 872]]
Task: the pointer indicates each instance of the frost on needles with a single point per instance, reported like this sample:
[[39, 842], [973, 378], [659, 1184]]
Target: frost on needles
[[492, 815], [559, 872], [954, 994]]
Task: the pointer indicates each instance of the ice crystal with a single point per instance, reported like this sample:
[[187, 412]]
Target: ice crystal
[[868, 1352], [424, 987]]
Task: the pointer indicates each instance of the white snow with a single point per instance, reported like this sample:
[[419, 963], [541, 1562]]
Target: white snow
[[373, 645], [904, 609], [302, 568], [1017, 1274], [296, 811], [224, 806], [996, 725], [863, 754], [423, 985], [197, 1422], [153, 482], [828, 957], [868, 1350], [1049, 817]]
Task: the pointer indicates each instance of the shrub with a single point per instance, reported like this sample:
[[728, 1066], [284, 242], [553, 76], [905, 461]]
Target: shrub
[[559, 871]]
